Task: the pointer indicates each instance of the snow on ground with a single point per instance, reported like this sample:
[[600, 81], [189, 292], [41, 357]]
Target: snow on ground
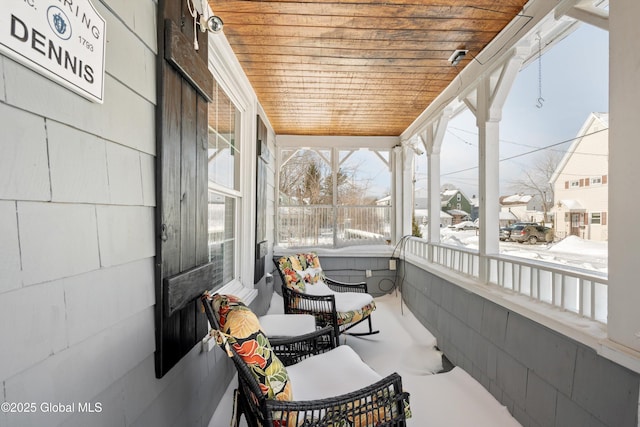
[[571, 251], [405, 346], [575, 245]]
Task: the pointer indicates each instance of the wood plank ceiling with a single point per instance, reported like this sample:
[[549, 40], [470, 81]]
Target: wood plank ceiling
[[354, 67]]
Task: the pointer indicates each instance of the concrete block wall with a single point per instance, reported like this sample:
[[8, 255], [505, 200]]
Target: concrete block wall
[[77, 199], [544, 378]]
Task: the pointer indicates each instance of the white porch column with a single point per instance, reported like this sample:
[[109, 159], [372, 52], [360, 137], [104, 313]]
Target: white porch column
[[408, 166], [432, 138], [398, 194], [433, 196], [489, 177], [490, 96], [624, 173]]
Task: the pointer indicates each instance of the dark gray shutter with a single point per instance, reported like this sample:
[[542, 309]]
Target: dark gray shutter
[[182, 271]]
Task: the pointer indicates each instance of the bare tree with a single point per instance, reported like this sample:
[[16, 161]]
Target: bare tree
[[302, 179], [535, 179], [307, 179]]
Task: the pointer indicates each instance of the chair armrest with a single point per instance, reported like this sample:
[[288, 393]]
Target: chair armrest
[[292, 350], [299, 303], [339, 286], [383, 402], [322, 307]]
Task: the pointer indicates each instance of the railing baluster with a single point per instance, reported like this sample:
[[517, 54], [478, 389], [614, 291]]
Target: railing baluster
[[580, 296], [555, 280], [593, 300]]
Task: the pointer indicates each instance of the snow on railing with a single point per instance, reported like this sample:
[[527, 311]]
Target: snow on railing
[[577, 290]]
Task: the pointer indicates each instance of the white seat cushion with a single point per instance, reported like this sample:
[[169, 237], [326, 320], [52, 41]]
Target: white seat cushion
[[352, 301], [287, 325], [345, 301], [318, 288], [330, 374]]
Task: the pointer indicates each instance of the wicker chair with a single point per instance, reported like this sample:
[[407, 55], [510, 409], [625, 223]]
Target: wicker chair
[[314, 357], [306, 289]]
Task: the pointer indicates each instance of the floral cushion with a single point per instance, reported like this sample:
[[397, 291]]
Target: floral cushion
[[239, 327], [299, 270], [354, 316], [302, 273]]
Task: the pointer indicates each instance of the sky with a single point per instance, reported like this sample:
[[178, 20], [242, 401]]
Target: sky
[[574, 83]]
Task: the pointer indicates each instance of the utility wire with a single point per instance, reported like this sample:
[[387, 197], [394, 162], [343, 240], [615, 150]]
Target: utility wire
[[520, 144], [529, 152]]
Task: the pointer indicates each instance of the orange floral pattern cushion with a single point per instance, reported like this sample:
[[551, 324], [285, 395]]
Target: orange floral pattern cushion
[[239, 327], [301, 270]]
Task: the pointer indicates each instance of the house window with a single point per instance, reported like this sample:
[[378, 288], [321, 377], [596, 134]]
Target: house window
[[595, 218], [574, 184], [458, 206], [224, 186], [459, 198], [334, 197], [596, 180]]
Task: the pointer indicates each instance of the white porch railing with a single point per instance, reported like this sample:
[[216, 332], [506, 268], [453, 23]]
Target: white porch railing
[[577, 290], [333, 225]]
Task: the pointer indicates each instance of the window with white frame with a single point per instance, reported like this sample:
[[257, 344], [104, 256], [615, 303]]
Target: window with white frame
[[224, 185], [334, 197], [596, 180], [574, 184], [596, 218]]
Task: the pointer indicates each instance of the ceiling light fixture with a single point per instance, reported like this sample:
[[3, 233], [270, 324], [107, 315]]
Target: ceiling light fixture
[[200, 12], [214, 24], [457, 56]]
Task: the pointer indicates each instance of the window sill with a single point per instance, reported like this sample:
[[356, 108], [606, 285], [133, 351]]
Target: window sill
[[347, 251], [247, 295]]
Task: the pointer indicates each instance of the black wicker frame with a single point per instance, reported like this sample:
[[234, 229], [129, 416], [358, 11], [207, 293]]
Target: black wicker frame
[[323, 307], [380, 404]]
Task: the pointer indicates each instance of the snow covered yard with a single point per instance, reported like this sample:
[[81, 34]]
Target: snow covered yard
[[571, 251], [403, 345]]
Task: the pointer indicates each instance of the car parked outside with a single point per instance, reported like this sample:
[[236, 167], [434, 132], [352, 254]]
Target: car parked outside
[[505, 232], [532, 234], [464, 225]]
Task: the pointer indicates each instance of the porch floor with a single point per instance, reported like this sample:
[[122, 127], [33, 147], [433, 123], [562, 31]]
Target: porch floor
[[449, 398]]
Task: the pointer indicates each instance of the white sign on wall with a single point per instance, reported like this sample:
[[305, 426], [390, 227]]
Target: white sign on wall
[[63, 40]]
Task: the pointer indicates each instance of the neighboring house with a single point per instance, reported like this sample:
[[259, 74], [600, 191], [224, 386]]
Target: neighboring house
[[524, 207], [456, 204], [421, 211], [457, 216], [507, 218], [475, 207], [385, 201], [422, 217], [580, 183]]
